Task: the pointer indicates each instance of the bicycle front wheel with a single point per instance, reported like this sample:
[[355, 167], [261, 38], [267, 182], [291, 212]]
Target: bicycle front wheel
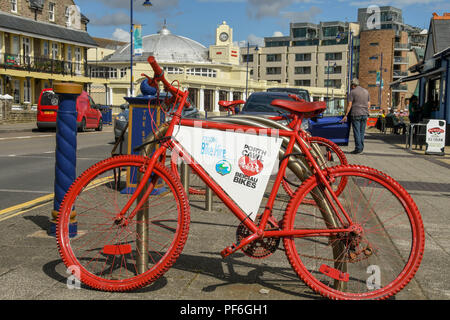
[[374, 261], [111, 256]]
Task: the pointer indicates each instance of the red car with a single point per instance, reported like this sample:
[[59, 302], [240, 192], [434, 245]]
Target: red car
[[88, 115]]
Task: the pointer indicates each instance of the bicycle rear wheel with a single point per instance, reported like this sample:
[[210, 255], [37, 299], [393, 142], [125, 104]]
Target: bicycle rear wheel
[[331, 156], [373, 262], [114, 257]]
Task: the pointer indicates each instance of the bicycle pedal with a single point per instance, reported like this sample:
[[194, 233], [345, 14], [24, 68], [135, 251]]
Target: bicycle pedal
[[227, 251]]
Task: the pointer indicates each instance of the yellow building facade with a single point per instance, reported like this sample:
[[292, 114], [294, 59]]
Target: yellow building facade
[[41, 43]]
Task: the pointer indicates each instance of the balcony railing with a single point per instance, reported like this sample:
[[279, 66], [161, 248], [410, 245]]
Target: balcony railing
[[399, 74], [402, 46], [46, 65], [399, 88], [401, 60]]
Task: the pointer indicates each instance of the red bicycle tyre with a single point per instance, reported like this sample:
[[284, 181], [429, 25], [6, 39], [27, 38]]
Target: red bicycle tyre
[[104, 254], [390, 242]]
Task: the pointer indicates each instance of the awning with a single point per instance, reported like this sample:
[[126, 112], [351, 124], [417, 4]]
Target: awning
[[417, 76]]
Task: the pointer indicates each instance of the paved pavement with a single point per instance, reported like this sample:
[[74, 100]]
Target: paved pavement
[[31, 268]]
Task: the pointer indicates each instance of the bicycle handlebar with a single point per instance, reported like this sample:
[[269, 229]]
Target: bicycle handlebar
[[159, 76]]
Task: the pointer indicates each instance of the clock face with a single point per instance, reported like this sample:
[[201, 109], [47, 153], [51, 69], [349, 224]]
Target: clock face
[[223, 36]]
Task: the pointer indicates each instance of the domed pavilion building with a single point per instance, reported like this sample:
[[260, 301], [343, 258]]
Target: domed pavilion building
[[210, 74]]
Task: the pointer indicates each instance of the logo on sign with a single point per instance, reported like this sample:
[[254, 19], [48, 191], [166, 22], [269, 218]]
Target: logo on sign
[[223, 167], [436, 130], [250, 167]]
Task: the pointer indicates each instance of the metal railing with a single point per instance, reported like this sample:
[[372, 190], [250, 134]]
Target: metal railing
[[47, 65], [402, 46], [401, 60], [399, 88], [399, 74]]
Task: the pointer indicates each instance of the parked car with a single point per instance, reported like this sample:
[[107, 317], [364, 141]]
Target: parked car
[[88, 114], [120, 121], [329, 126], [301, 93]]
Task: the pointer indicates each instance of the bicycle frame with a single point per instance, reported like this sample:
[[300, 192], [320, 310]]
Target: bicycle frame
[[258, 230]]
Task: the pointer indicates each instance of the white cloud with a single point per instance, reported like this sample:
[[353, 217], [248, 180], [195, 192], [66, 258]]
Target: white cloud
[[115, 19], [277, 34], [255, 40], [395, 3], [121, 35], [301, 16]]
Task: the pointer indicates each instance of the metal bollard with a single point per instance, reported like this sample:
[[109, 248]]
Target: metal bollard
[[66, 150], [208, 199], [184, 175]]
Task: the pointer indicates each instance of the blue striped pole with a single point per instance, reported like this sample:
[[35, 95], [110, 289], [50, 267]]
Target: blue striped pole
[[66, 149]]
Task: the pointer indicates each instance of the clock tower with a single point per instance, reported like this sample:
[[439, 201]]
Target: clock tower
[[224, 50]]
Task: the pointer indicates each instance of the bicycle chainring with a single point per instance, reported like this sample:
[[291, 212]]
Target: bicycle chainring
[[259, 248]]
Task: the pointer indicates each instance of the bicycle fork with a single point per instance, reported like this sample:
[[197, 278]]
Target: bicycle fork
[[147, 183]]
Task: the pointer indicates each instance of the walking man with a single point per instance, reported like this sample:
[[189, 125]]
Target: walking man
[[358, 108]]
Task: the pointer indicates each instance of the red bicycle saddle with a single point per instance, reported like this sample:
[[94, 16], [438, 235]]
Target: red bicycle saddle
[[230, 104], [301, 108]]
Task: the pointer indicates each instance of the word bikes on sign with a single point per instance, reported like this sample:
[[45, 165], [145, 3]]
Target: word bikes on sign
[[241, 163]]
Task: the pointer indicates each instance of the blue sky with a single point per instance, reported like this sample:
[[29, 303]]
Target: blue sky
[[251, 20]]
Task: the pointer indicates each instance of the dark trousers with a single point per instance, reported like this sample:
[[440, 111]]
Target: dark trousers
[[359, 129]]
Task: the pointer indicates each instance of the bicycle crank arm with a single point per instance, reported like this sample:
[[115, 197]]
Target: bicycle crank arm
[[233, 248]]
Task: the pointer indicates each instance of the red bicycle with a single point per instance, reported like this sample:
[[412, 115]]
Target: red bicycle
[[326, 152], [365, 243]]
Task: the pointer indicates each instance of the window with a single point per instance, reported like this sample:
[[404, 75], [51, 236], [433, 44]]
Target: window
[[333, 56], [303, 43], [273, 70], [173, 70], [273, 57], [333, 83], [67, 15], [245, 56], [14, 6], [374, 44], [306, 83], [302, 70], [277, 43], [123, 72], [27, 90], [333, 70], [15, 45], [51, 11], [203, 72], [78, 60], [69, 53], [46, 49], [303, 57], [299, 32], [16, 92], [54, 51]]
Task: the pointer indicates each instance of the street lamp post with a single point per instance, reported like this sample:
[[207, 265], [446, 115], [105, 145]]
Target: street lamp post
[[246, 78], [380, 88], [147, 3], [328, 78]]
